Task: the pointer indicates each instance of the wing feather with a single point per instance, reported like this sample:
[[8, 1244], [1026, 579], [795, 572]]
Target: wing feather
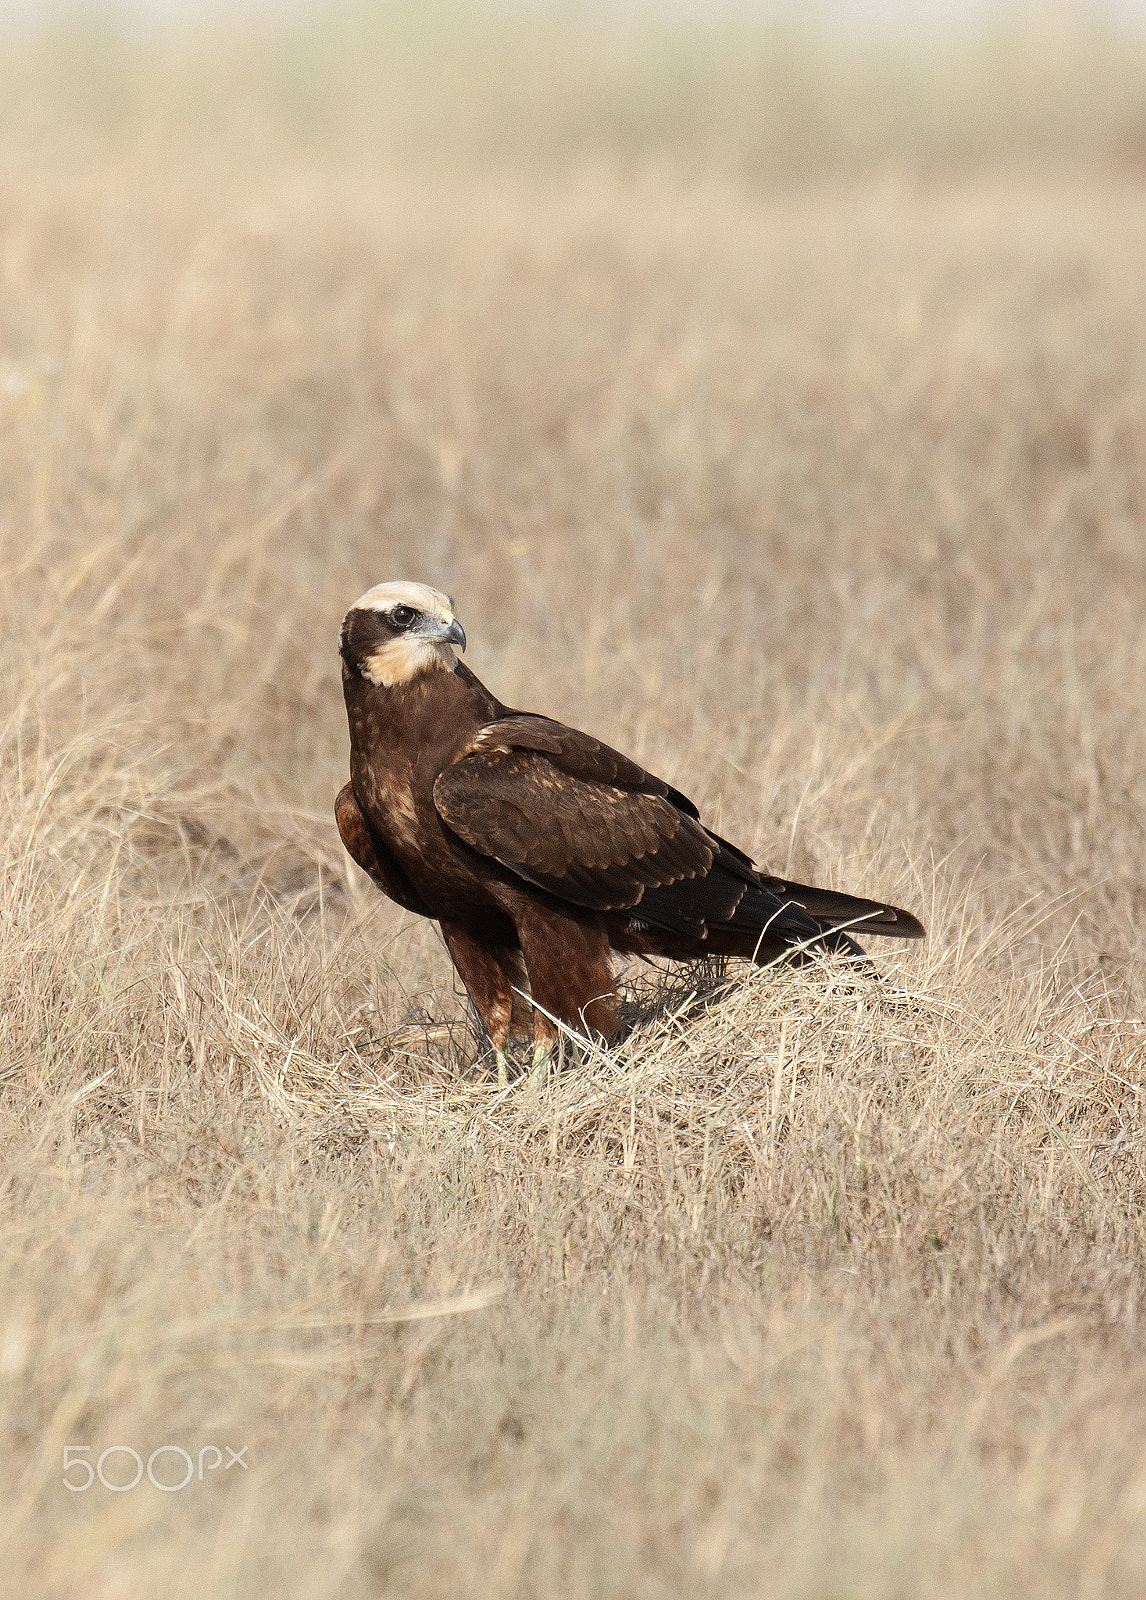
[[580, 834], [576, 754], [585, 823]]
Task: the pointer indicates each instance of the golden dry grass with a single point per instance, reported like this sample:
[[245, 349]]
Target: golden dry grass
[[829, 508]]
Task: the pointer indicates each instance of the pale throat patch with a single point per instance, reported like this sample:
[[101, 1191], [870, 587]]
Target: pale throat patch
[[401, 659]]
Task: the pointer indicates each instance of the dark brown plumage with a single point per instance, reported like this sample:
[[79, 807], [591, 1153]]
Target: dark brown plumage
[[537, 848]]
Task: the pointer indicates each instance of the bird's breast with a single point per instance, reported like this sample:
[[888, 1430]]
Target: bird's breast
[[400, 740], [387, 795]]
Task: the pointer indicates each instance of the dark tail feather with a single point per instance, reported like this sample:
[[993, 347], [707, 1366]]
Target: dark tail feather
[[860, 916], [733, 911]]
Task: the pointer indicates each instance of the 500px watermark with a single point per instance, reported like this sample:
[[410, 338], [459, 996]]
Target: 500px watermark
[[183, 1463]]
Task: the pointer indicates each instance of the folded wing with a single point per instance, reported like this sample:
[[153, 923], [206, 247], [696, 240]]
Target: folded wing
[[590, 826], [590, 842]]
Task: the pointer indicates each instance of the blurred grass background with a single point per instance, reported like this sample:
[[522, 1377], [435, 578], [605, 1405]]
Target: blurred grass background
[[765, 93], [773, 404]]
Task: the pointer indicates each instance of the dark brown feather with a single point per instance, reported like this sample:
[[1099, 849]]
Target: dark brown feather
[[577, 754], [365, 847], [835, 910], [588, 841]]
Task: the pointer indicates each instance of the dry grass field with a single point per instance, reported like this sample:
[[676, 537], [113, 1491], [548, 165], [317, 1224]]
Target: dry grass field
[[828, 505]]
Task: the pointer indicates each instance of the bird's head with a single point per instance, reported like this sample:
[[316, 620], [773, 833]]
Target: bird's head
[[396, 631]]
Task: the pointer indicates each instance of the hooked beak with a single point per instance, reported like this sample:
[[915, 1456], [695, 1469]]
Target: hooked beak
[[447, 630]]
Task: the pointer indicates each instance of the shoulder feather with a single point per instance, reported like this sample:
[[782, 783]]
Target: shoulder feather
[[575, 753]]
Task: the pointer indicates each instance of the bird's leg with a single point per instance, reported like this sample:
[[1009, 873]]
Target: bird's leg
[[489, 986], [570, 977], [544, 1047], [496, 1020]]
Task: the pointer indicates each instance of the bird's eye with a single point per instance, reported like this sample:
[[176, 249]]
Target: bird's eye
[[403, 615]]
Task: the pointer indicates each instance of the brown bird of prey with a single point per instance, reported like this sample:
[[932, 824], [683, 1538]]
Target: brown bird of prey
[[537, 849]]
